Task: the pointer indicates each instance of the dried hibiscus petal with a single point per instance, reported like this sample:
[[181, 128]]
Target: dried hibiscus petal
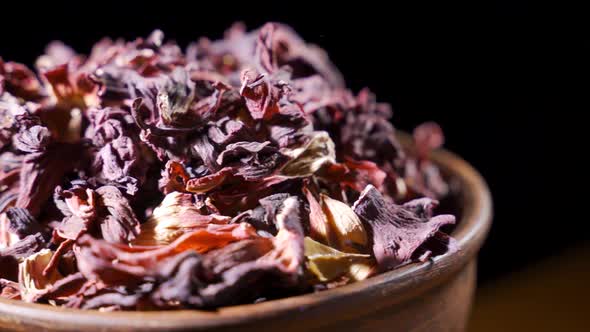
[[120, 264], [174, 177], [19, 80], [308, 159], [80, 212], [398, 231], [31, 278], [288, 242], [20, 223], [9, 289], [205, 178], [354, 174], [118, 222], [327, 263], [11, 255], [41, 172], [175, 216], [346, 226]]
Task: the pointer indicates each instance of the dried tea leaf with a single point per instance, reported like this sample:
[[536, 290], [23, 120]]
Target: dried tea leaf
[[175, 96], [12, 255], [33, 139], [354, 174], [25, 247], [223, 259], [41, 172], [117, 264], [64, 288]]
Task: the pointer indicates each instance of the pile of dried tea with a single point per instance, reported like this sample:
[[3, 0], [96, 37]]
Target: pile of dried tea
[[143, 177]]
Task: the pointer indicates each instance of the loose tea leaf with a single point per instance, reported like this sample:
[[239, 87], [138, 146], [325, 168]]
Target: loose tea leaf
[[142, 177]]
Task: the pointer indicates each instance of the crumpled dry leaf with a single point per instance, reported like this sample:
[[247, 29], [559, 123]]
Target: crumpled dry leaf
[[118, 263], [63, 289], [327, 263], [421, 176], [252, 160], [33, 139], [67, 82], [31, 279], [175, 97], [208, 182], [263, 216], [334, 223]]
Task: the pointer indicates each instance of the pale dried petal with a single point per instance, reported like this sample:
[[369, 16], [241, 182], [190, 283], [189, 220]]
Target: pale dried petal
[[347, 226], [318, 221], [327, 263], [175, 216], [308, 159], [288, 242], [30, 275]]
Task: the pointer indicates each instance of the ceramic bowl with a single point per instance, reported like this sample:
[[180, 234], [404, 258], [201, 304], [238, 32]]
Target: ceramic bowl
[[431, 296]]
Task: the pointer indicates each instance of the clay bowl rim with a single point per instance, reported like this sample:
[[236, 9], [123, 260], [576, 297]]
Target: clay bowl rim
[[384, 289]]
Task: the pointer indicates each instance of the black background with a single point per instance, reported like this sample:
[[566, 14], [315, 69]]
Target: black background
[[489, 75]]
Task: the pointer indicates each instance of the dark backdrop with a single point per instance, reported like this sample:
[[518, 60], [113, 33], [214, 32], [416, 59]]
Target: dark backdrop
[[481, 73]]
